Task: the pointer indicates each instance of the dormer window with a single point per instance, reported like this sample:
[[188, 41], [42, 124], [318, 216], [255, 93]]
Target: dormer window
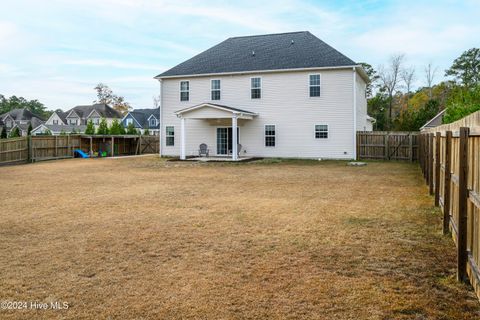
[[73, 122], [153, 122]]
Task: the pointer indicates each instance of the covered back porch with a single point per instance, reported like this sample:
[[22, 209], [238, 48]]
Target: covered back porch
[[227, 121]]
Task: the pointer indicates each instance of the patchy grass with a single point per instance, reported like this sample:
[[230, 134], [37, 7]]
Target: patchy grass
[[146, 238]]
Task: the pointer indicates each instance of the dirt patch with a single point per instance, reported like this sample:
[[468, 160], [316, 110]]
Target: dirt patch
[[149, 239]]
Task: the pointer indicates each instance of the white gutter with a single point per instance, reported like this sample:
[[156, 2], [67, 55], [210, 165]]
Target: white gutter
[[160, 120], [354, 113], [255, 72]]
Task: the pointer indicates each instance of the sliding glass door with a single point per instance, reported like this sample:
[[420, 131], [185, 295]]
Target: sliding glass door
[[224, 140]]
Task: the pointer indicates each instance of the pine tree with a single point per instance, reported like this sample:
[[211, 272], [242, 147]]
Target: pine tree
[[131, 129], [115, 128], [29, 131], [90, 128], [15, 132], [102, 127]]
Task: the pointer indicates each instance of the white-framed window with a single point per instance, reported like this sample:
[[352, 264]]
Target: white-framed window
[[129, 121], [153, 122], [73, 122], [270, 135], [184, 90], [55, 121], [96, 121], [170, 136], [215, 85], [314, 85], [321, 131], [256, 87]]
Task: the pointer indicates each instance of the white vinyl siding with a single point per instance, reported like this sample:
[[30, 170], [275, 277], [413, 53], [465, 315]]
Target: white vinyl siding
[[284, 102]]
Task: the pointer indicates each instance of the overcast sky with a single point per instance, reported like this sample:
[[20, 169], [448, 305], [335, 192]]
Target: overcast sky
[[56, 51]]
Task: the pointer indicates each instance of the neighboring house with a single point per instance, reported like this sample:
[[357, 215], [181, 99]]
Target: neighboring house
[[435, 121], [143, 119], [20, 118], [282, 95], [80, 115], [57, 129]]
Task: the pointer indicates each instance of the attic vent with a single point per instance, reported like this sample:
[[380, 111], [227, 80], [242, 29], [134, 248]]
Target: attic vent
[[253, 53], [291, 43]]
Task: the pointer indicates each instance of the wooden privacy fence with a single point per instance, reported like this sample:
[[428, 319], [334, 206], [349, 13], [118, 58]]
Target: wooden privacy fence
[[38, 148], [450, 162], [387, 145]]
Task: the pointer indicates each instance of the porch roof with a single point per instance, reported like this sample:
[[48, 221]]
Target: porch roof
[[214, 111]]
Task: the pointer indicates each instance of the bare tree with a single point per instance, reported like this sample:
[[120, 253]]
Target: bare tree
[[408, 77], [389, 79], [430, 72], [156, 101]]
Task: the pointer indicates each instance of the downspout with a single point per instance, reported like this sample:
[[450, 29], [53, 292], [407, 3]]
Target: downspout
[[354, 113], [160, 119]]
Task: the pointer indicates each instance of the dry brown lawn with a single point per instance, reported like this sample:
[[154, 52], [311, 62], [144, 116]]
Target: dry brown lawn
[[148, 239]]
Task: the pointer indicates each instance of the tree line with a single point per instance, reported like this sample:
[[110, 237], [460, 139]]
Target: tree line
[[395, 106]]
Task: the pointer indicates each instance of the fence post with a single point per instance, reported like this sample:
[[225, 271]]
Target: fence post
[[462, 254], [430, 164], [437, 169], [447, 184], [410, 146], [56, 152], [427, 140], [385, 145]]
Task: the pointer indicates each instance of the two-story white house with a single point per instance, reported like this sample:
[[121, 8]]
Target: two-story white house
[[276, 95]]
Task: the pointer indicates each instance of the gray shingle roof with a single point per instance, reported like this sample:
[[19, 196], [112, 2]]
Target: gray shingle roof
[[142, 115], [103, 109], [65, 128], [21, 114], [264, 52]]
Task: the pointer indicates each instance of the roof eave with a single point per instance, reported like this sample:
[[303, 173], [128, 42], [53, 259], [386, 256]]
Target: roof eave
[[160, 77]]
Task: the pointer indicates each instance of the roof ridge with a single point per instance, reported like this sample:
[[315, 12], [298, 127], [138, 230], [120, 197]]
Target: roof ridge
[[270, 34]]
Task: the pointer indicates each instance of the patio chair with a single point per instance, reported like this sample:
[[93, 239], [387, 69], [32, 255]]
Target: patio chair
[[203, 150]]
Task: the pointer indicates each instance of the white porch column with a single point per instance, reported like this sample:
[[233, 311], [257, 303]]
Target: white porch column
[[182, 139], [234, 138]]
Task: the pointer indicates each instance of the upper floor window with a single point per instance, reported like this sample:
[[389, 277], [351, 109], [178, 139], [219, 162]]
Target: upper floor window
[[73, 122], [170, 135], [153, 122], [184, 90], [269, 135], [129, 121], [215, 89], [256, 88], [96, 121], [314, 85], [321, 131], [55, 121]]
